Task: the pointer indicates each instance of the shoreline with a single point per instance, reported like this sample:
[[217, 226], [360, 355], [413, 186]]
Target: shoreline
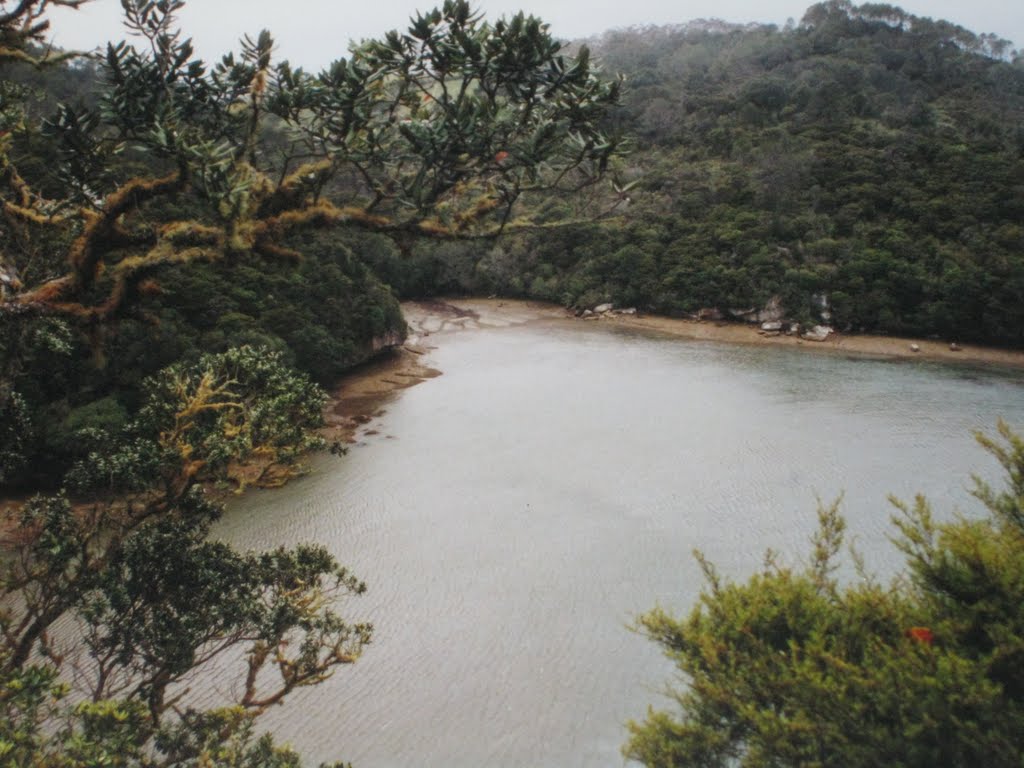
[[855, 345], [494, 311], [362, 395]]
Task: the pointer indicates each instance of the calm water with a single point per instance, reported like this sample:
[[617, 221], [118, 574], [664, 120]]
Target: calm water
[[515, 514]]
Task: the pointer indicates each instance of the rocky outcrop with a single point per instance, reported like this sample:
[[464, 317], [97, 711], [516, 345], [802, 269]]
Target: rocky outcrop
[[388, 340], [772, 312], [604, 310], [771, 319], [817, 333], [744, 315]]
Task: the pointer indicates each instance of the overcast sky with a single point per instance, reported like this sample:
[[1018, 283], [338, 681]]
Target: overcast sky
[[312, 33]]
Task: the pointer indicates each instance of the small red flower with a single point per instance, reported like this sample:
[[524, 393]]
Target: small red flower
[[501, 156], [921, 635]]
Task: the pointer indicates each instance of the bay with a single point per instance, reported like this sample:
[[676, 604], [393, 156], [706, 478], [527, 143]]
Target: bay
[[514, 515]]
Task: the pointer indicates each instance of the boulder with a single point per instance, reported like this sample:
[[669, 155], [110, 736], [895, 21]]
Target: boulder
[[771, 325], [772, 312], [601, 309], [915, 347], [954, 347], [818, 333], [630, 311], [587, 313]]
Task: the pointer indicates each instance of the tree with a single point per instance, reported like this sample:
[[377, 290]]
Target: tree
[[793, 153], [154, 601], [434, 133], [795, 667]]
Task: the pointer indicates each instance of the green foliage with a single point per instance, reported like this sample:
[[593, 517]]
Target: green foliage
[[455, 104], [167, 290], [155, 600], [112, 733], [795, 667], [198, 420], [273, 606], [236, 403], [866, 154], [15, 434], [27, 699]]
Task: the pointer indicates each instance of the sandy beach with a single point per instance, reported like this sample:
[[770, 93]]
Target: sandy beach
[[841, 343], [456, 314]]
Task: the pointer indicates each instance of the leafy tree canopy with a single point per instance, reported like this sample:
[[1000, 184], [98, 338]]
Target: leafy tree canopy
[[178, 206], [154, 602]]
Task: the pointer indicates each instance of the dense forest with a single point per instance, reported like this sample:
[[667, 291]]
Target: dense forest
[[864, 160]]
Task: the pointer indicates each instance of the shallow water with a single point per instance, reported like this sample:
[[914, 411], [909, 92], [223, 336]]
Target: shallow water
[[512, 516]]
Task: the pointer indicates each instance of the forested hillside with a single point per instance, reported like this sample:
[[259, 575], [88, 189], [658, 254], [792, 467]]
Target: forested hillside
[[864, 165], [864, 156], [190, 250]]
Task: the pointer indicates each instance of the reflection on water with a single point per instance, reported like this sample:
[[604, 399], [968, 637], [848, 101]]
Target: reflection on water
[[551, 485]]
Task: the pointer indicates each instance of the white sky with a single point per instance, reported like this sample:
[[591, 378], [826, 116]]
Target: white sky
[[312, 33]]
